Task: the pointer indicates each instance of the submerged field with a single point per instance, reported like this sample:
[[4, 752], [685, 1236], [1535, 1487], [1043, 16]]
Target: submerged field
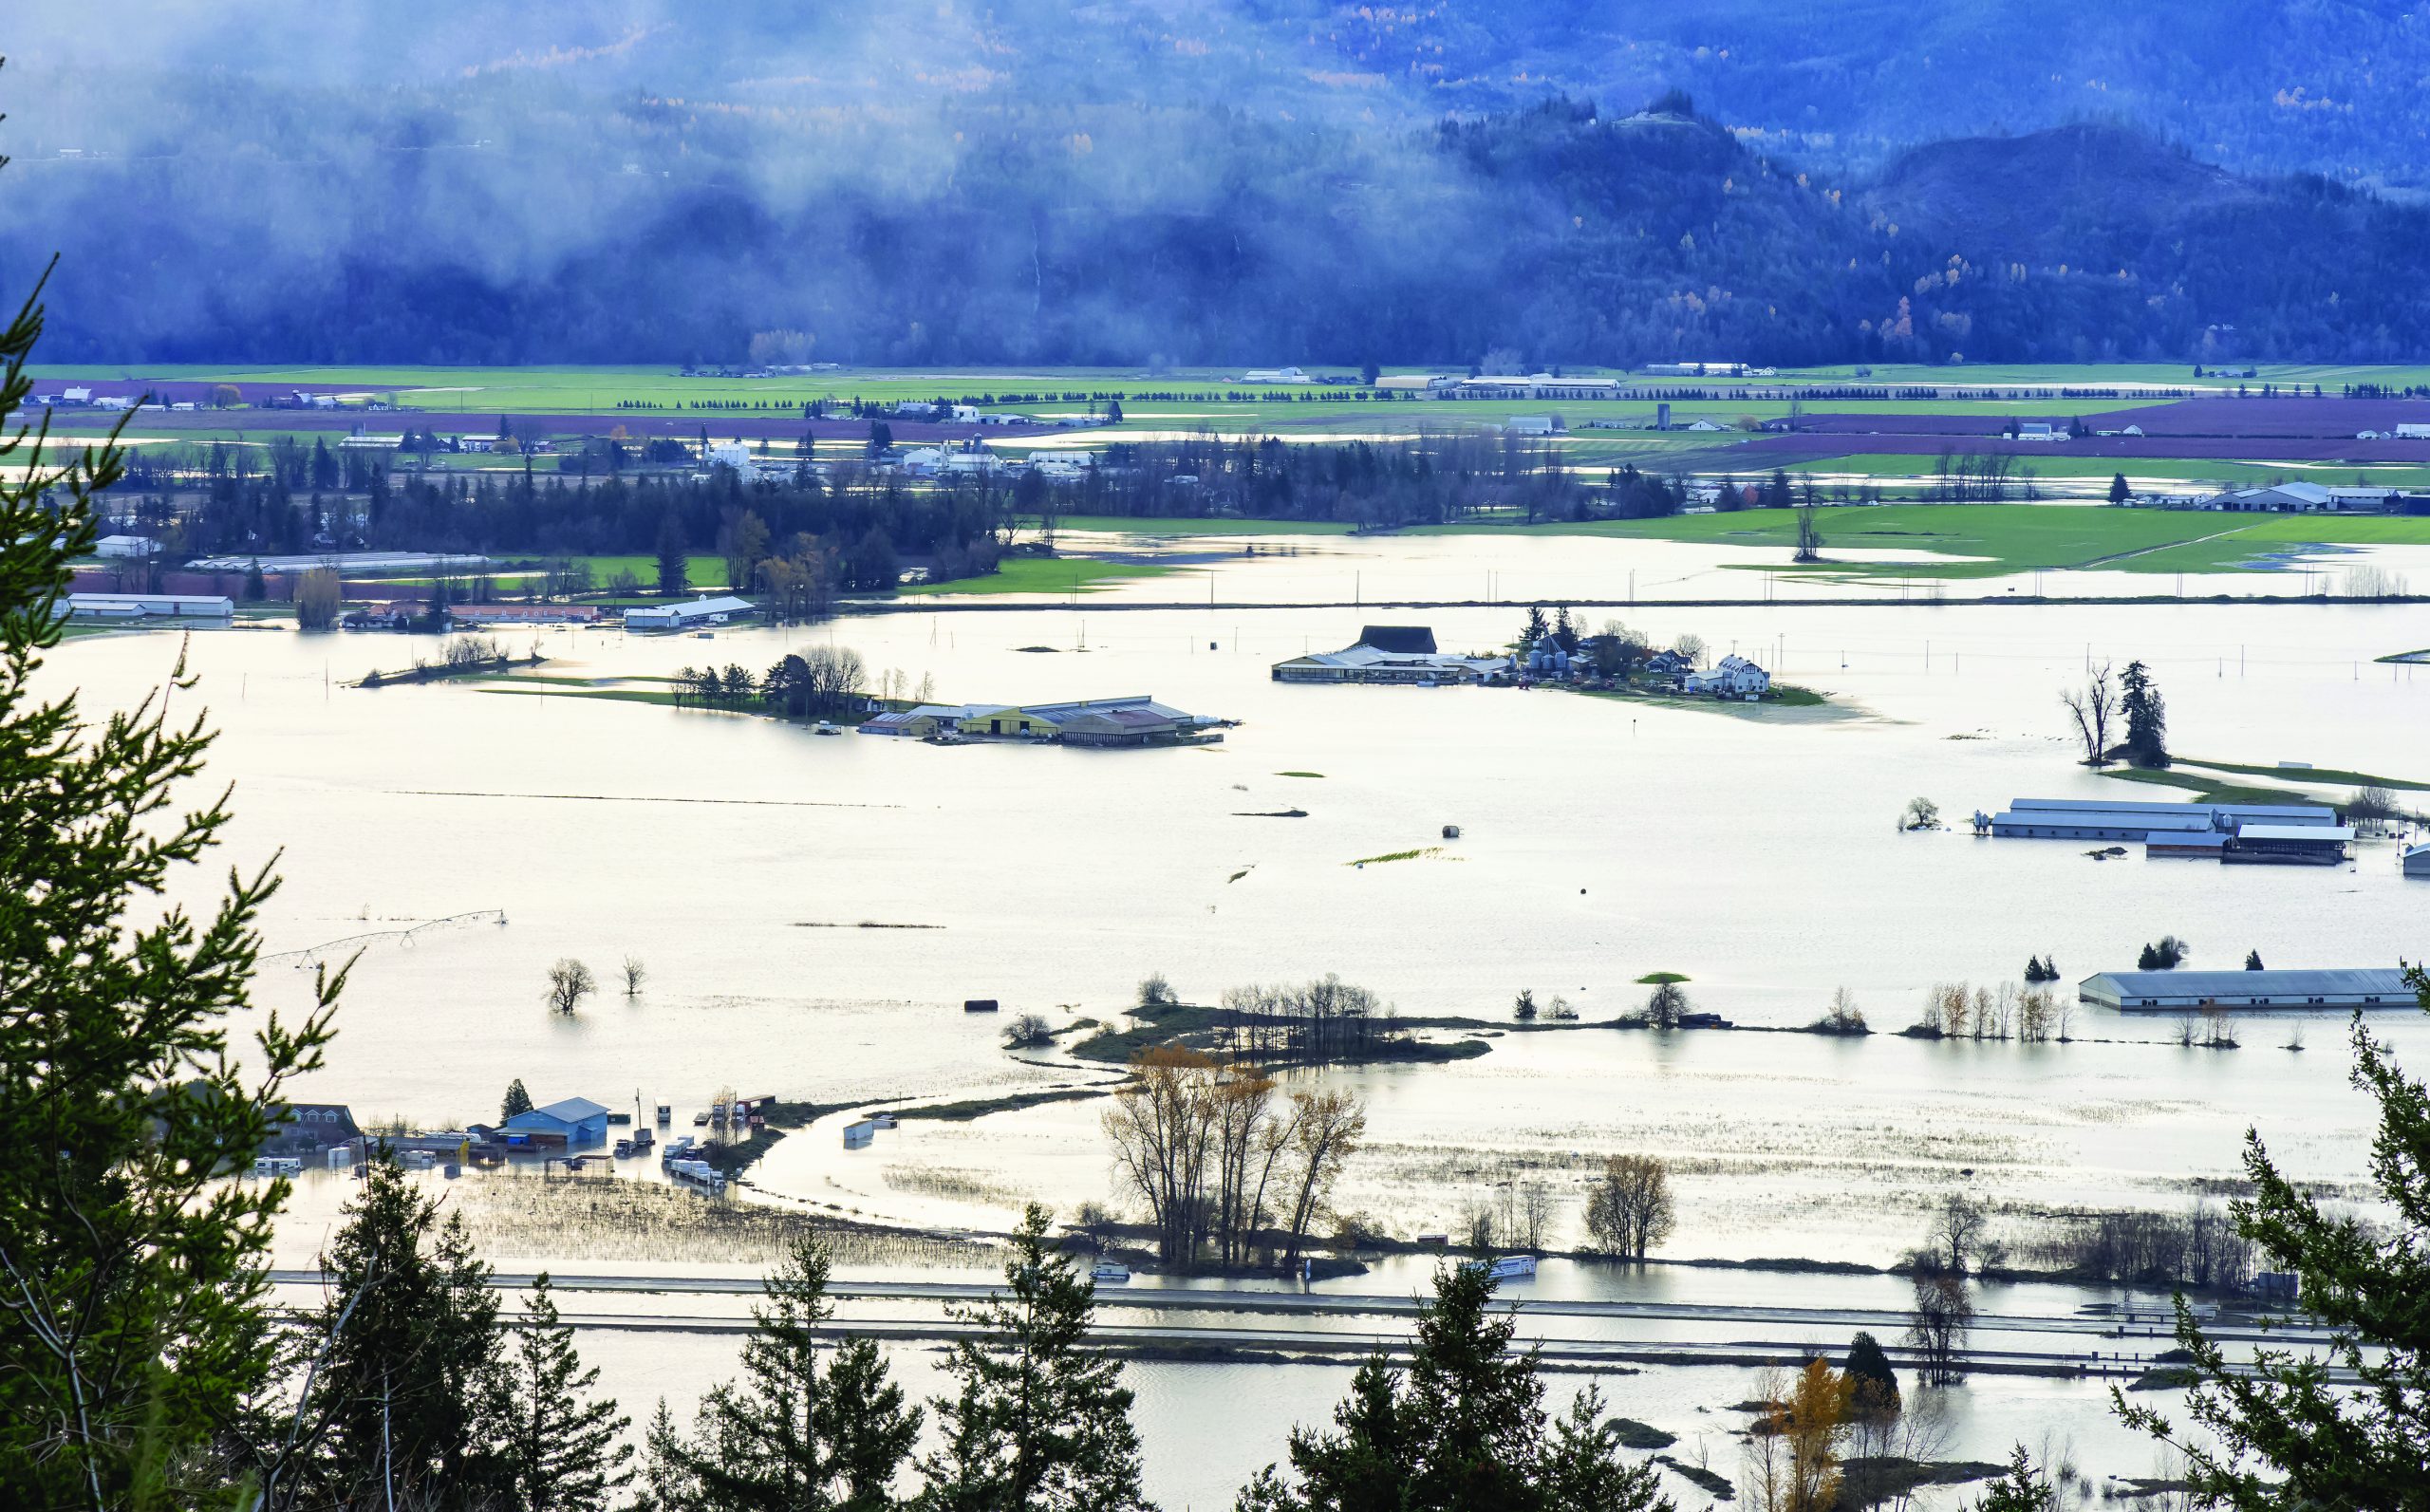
[[1996, 540]]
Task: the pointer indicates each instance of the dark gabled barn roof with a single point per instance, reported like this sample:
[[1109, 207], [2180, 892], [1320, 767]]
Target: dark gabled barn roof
[[1404, 639]]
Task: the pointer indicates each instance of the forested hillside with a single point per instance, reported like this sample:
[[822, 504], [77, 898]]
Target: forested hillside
[[1232, 182]]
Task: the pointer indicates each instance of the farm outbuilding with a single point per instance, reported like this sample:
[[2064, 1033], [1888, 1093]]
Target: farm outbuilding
[[2181, 991]]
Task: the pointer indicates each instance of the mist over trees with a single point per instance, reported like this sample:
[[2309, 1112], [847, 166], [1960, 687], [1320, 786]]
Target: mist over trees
[[879, 188]]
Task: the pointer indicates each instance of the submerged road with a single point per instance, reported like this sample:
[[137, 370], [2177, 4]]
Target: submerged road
[[1735, 1333]]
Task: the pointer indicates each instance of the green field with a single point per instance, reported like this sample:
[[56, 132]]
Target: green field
[[2205, 470], [1998, 539], [474, 392], [1032, 574]]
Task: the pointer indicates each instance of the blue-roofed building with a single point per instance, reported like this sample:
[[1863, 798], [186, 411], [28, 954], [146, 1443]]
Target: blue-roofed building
[[574, 1122], [2177, 991]]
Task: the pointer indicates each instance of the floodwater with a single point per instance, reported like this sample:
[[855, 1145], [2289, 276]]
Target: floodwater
[[745, 861], [1510, 568]]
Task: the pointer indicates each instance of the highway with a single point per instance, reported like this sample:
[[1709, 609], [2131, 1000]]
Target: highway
[[1195, 1321]]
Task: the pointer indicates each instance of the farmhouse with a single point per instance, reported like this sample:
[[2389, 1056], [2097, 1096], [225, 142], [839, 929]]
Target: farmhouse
[[1732, 676], [699, 612], [307, 1128], [1530, 425], [125, 545], [1390, 653], [2177, 991], [1275, 374]]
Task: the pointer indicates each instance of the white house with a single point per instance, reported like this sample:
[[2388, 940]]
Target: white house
[[1732, 676], [1529, 426], [736, 455], [125, 545], [2038, 431], [1275, 374], [2413, 432]]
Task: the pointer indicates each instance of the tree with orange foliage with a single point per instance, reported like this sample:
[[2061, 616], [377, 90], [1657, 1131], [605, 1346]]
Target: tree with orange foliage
[[1793, 1448]]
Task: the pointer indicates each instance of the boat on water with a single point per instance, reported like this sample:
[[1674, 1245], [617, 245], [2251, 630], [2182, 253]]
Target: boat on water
[[828, 727], [1111, 1271]]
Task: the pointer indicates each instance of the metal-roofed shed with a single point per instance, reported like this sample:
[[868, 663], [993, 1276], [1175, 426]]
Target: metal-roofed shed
[[2177, 991]]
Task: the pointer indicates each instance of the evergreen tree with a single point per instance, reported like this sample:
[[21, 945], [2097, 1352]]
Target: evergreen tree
[[792, 1437], [132, 1279], [2118, 492], [1041, 1419], [1113, 412], [1537, 627], [406, 1397], [516, 1101], [561, 1449], [2253, 961], [2022, 1489], [666, 1483], [1869, 1369], [2278, 1432], [671, 566], [2146, 717], [1464, 1427]]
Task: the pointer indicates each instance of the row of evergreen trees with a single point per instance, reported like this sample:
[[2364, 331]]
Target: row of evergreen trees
[[407, 1388]]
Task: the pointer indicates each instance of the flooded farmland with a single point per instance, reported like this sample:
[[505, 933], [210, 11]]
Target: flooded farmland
[[812, 911]]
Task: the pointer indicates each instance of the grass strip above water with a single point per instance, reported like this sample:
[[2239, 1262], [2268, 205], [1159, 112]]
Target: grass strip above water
[[971, 1108], [2208, 790], [1398, 855], [2333, 775], [1033, 574], [1195, 1026]]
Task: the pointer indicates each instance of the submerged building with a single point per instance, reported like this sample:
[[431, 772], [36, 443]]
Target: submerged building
[[1136, 719], [2178, 991], [2087, 819], [1390, 653]]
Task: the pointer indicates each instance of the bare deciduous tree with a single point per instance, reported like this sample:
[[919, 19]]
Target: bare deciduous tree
[[635, 974], [569, 982], [1630, 1209], [1534, 1205], [2093, 707], [1937, 1324], [1959, 1238], [1200, 1141]]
